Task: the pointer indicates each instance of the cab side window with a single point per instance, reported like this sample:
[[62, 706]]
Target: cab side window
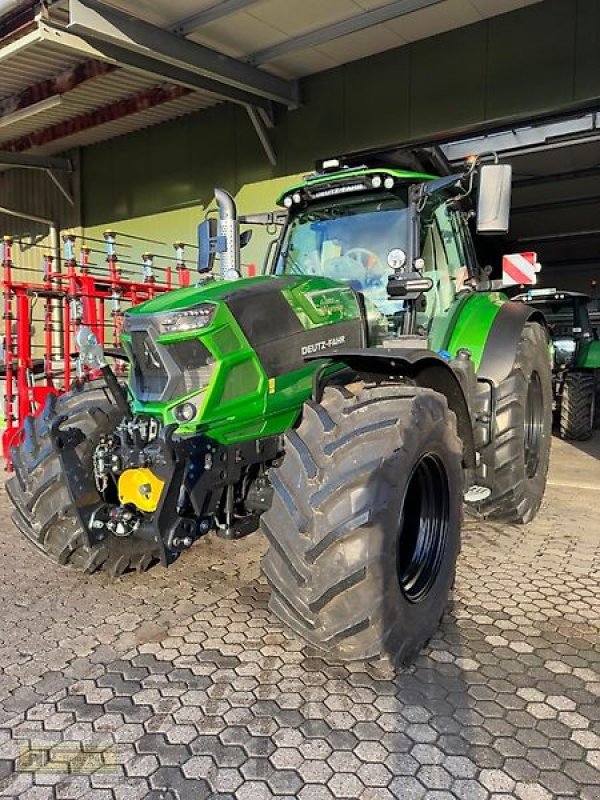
[[452, 242], [443, 250]]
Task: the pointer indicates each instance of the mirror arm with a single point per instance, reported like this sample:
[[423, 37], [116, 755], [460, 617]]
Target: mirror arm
[[438, 184]]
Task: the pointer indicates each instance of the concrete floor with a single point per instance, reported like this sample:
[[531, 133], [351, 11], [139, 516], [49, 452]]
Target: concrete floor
[[179, 683]]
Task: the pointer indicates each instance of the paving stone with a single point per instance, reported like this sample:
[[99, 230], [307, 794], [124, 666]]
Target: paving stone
[[142, 766], [254, 790], [173, 780], [345, 785]]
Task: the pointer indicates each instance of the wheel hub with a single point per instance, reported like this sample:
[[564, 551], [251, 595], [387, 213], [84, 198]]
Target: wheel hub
[[533, 424], [423, 532]]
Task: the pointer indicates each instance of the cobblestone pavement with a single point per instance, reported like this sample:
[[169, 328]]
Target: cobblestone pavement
[[181, 685]]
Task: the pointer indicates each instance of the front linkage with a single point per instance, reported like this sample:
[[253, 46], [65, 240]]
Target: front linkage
[[188, 485]]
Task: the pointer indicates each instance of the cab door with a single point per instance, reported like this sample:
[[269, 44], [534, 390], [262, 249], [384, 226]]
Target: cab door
[[446, 250]]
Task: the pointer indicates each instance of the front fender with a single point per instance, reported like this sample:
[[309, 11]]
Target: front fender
[[424, 367]]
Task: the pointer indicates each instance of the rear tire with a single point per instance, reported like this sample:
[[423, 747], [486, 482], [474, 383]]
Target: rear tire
[[44, 512], [364, 529], [523, 432], [577, 406]]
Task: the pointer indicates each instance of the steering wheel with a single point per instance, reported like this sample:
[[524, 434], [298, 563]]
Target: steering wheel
[[366, 258], [356, 267]]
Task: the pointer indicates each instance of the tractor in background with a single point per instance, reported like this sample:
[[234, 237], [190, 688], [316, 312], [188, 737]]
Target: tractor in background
[[576, 369], [348, 402]]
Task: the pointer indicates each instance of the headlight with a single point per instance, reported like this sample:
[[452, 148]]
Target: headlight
[[185, 412], [189, 319]]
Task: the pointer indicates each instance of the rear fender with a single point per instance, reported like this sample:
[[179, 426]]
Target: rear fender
[[425, 368]]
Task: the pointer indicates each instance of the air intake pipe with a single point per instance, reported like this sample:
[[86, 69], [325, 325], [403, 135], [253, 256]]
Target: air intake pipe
[[229, 234]]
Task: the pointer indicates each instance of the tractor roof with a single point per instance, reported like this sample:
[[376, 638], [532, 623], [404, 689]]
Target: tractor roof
[[420, 159], [544, 296], [341, 174], [346, 181]]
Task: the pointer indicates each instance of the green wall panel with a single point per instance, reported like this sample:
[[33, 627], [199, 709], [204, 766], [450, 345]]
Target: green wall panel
[[377, 108], [448, 81], [251, 163], [531, 59], [317, 127], [587, 50]]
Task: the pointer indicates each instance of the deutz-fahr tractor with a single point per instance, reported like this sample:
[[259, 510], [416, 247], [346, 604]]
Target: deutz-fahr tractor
[[576, 371], [347, 402]]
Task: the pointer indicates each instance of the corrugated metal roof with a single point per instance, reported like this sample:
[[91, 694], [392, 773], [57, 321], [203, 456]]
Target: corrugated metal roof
[[100, 92], [39, 60], [27, 61], [132, 122]]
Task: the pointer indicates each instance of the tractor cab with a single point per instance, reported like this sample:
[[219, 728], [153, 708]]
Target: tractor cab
[[395, 232], [576, 366], [354, 242], [568, 319]]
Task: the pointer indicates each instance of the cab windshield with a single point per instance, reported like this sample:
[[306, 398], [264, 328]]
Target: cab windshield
[[350, 242], [566, 318]]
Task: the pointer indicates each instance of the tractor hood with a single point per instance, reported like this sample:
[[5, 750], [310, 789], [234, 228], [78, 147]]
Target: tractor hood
[[315, 300], [227, 352], [210, 291]]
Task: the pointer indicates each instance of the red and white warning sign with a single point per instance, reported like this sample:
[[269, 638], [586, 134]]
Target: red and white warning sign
[[520, 268]]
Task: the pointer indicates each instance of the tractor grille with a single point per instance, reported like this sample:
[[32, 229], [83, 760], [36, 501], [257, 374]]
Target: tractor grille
[[166, 372], [150, 374], [193, 362]]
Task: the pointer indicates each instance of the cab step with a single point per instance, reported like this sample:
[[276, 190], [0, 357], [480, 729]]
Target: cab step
[[476, 494]]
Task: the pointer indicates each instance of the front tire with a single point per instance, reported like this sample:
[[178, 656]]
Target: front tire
[[523, 432], [364, 529], [43, 510], [577, 406]]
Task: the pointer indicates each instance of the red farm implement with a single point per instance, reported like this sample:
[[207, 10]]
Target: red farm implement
[[42, 318]]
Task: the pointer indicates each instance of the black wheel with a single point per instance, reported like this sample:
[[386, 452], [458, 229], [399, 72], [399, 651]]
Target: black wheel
[[523, 432], [43, 509], [577, 406], [364, 530]]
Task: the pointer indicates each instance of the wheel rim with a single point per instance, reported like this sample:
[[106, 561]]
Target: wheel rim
[[423, 532], [534, 424]]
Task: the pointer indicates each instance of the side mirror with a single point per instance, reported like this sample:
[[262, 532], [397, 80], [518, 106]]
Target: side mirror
[[207, 235], [493, 202], [245, 237]]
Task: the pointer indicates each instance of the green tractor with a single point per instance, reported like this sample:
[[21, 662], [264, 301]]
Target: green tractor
[[347, 402], [576, 372]]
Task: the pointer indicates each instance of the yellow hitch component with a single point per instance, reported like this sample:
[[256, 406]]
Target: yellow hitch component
[[140, 488]]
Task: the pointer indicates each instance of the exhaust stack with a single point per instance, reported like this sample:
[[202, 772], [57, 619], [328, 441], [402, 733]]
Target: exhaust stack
[[229, 234]]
